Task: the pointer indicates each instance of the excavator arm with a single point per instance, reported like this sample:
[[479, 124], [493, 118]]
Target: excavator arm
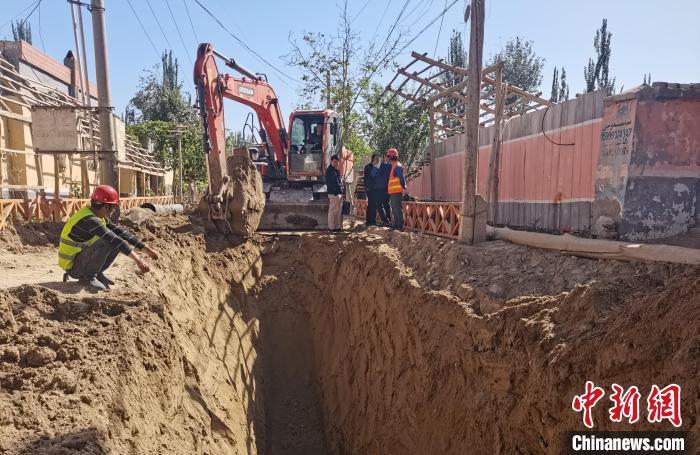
[[251, 90]]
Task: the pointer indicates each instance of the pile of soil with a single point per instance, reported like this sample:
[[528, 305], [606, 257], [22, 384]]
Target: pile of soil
[[372, 342], [246, 190]]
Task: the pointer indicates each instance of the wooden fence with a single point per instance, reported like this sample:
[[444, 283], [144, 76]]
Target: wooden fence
[[436, 218], [43, 209]]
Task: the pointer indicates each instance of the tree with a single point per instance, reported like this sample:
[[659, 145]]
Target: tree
[[564, 87], [597, 72], [164, 140], [456, 56], [392, 124], [647, 79], [22, 31], [339, 69], [160, 96], [522, 67], [554, 95], [157, 108]]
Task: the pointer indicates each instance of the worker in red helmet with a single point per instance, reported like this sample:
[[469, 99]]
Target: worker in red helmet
[[396, 188], [90, 241]]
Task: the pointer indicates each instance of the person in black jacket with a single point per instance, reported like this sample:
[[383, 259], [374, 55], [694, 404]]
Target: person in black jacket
[[334, 186], [374, 191]]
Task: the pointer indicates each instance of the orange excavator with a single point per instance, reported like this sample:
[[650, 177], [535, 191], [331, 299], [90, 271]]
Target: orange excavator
[[292, 164]]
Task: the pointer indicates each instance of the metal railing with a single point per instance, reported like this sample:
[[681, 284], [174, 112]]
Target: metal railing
[[436, 218], [43, 209]]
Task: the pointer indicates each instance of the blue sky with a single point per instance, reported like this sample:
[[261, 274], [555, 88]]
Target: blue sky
[[648, 36]]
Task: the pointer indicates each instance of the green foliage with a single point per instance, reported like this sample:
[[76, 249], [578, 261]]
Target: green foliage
[[456, 56], [337, 69], [554, 94], [560, 88], [391, 124], [597, 72], [22, 31], [564, 87], [161, 135], [160, 96], [522, 67]]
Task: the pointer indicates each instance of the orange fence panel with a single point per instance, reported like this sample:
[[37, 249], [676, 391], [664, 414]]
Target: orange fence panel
[[436, 218], [43, 209]]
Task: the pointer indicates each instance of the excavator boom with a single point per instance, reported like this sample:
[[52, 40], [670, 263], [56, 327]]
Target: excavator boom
[[292, 168]]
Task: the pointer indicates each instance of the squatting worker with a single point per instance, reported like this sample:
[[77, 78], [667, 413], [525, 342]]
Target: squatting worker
[[397, 186], [375, 194], [335, 195], [90, 241]]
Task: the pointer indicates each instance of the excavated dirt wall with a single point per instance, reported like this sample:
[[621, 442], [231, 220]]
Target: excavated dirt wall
[[367, 343]]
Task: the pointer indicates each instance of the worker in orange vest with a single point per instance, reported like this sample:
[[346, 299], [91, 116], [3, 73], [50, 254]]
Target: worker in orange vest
[[397, 185]]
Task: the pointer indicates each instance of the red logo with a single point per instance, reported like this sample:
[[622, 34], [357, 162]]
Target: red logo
[[586, 402], [665, 404], [626, 404]]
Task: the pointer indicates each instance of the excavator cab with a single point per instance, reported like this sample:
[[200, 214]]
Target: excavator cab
[[314, 138]]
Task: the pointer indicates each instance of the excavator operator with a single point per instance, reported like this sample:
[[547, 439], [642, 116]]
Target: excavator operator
[[316, 139], [90, 242]]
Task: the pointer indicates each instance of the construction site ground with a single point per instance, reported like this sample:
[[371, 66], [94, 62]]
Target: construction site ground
[[365, 342]]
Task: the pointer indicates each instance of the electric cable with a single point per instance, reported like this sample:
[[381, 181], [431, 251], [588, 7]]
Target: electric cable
[[242, 43], [155, 49], [189, 17], [170, 46], [177, 28]]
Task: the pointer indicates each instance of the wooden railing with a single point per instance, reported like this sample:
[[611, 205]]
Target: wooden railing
[[436, 218], [43, 209]]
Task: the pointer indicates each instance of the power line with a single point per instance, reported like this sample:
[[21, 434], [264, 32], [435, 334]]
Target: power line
[[41, 37], [155, 49], [32, 11], [19, 14], [190, 19], [360, 12], [439, 32], [182, 41], [216, 19], [388, 4], [429, 24], [148, 2]]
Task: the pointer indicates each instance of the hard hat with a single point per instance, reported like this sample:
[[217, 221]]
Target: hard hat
[[105, 194], [392, 153]]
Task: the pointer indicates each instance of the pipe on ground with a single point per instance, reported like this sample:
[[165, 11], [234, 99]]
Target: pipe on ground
[[601, 249], [163, 209]]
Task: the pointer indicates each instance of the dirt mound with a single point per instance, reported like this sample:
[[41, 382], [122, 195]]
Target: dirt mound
[[248, 199], [20, 237]]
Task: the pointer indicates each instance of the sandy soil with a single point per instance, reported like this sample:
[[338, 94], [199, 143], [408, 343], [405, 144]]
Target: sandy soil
[[358, 343]]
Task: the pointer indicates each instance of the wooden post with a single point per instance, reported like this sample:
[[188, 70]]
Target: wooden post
[[431, 154], [494, 162], [56, 189], [471, 122], [179, 153]]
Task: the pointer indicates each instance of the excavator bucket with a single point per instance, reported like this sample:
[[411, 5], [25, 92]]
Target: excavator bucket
[[294, 209]]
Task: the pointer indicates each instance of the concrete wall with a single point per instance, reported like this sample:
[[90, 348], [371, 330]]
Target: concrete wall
[[543, 186], [648, 183], [627, 166]]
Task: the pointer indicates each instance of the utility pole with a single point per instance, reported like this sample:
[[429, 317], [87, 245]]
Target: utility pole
[[104, 97], [471, 121], [328, 89], [179, 154]]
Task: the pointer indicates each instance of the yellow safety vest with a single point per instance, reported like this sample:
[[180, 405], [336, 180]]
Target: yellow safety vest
[[394, 182], [68, 248]]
